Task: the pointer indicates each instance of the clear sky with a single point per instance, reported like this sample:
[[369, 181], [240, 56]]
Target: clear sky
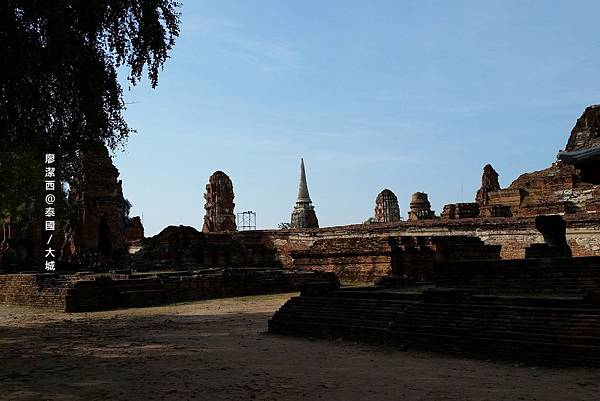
[[406, 95]]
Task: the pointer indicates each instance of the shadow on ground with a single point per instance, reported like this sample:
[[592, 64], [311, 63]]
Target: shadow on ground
[[219, 350]]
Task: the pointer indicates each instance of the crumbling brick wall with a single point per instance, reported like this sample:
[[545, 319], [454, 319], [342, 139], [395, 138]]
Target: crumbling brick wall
[[76, 293], [358, 252], [33, 290]]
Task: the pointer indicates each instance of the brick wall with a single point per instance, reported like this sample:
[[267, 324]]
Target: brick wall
[[358, 263], [550, 276], [33, 290], [351, 255], [75, 293]]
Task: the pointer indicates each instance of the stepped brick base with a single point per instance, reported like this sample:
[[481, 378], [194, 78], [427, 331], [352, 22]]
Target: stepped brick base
[[548, 311]]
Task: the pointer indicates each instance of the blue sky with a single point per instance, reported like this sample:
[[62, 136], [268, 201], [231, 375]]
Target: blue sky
[[410, 96]]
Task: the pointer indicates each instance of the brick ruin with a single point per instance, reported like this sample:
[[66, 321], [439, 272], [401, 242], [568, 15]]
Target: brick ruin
[[373, 258], [489, 183], [571, 185], [505, 218], [515, 274], [544, 309], [460, 211], [583, 147], [219, 204], [303, 215], [184, 247], [134, 229], [386, 207], [100, 230], [420, 208], [93, 292], [500, 226], [558, 189], [531, 310], [495, 277], [357, 253]]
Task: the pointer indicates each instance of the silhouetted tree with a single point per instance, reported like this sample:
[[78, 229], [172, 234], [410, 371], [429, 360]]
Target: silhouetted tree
[[58, 77], [59, 89]]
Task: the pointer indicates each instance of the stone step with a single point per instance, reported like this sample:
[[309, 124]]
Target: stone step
[[522, 349], [508, 321], [321, 314], [312, 319], [366, 305], [523, 328], [573, 334], [350, 301]]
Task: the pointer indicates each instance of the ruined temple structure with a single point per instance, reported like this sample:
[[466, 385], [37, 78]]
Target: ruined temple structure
[[495, 277], [107, 290], [499, 217], [504, 217], [134, 229], [569, 186], [99, 226], [460, 211], [386, 207], [481, 207], [540, 310], [304, 215], [184, 247], [219, 204], [455, 294], [489, 183], [372, 258], [583, 147], [420, 208]]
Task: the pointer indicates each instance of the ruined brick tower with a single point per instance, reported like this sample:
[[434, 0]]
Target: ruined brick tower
[[97, 196], [583, 147], [489, 183], [420, 208], [304, 215], [219, 204], [386, 207]]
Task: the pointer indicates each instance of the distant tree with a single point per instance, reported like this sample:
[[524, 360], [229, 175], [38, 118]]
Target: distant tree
[[58, 75]]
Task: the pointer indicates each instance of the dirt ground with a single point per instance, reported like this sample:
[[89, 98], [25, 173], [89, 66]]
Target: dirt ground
[[219, 350]]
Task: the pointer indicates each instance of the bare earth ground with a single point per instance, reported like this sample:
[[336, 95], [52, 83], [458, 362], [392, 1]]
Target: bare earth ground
[[219, 350]]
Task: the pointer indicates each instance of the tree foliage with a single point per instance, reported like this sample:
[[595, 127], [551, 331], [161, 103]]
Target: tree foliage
[[60, 58], [59, 87]]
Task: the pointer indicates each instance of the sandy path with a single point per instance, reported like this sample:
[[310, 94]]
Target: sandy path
[[219, 350]]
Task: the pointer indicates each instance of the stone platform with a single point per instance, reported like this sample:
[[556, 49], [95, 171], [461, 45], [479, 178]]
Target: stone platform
[[536, 310], [92, 291]]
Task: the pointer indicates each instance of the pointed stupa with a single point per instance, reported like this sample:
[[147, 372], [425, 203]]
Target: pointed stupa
[[303, 195], [303, 215]]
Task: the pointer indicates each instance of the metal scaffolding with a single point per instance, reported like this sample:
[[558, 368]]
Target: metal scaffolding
[[246, 221]]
